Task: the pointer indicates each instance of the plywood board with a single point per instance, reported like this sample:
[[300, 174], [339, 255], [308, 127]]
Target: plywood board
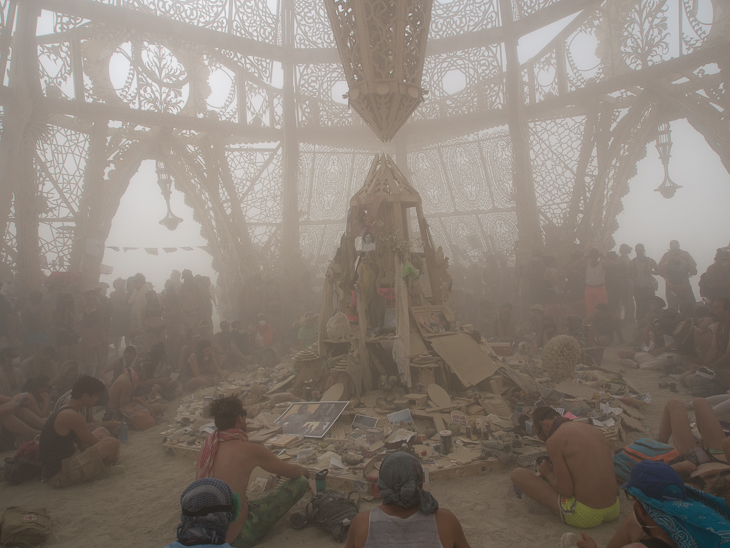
[[465, 358], [438, 395]]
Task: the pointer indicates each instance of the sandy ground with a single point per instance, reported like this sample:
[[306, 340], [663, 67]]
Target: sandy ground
[[141, 507]]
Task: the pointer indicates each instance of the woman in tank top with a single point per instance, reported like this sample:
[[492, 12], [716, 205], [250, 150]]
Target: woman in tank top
[[409, 517]]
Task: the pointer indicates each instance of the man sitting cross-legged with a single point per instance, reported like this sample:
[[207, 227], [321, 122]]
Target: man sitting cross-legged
[[69, 451], [228, 456], [577, 482]]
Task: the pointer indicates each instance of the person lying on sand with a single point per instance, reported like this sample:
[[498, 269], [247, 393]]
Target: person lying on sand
[[666, 514], [408, 515], [69, 451], [227, 455], [577, 481], [208, 507]]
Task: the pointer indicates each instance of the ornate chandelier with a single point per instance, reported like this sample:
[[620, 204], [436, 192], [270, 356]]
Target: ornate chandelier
[[382, 45], [165, 181], [664, 145]]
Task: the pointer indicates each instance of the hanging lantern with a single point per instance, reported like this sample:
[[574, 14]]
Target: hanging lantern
[[165, 181], [382, 45], [664, 145]]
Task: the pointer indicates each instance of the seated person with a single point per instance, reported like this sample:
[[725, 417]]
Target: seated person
[[69, 451], [606, 324], [208, 507], [227, 455], [203, 368], [717, 360], [666, 513], [191, 341], [408, 515], [309, 332], [39, 387], [112, 371], [660, 352], [584, 334], [41, 363], [577, 481], [68, 374], [122, 401], [11, 377], [675, 425], [12, 427], [147, 367]]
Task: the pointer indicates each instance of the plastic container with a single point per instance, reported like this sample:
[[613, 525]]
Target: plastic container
[[124, 432]]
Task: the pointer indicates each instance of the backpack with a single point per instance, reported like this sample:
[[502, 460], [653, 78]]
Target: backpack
[[24, 465], [331, 511], [642, 449], [137, 416], [25, 527]]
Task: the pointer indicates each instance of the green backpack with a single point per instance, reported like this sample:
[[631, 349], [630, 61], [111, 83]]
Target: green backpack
[[24, 527]]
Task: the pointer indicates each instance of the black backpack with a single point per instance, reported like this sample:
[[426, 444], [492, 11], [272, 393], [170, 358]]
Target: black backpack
[[19, 469], [331, 511]]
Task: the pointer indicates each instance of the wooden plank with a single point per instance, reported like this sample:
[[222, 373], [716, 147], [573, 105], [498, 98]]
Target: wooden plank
[[465, 358]]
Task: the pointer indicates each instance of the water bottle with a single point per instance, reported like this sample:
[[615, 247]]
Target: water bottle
[[320, 480], [123, 435]]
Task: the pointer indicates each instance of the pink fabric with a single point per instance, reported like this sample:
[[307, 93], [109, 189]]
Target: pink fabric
[[210, 448]]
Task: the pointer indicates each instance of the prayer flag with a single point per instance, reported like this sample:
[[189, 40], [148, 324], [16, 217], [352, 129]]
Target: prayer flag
[[115, 248], [151, 250], [170, 249]]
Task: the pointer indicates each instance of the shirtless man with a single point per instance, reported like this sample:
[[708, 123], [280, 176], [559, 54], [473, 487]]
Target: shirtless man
[[69, 451], [228, 456], [577, 482]]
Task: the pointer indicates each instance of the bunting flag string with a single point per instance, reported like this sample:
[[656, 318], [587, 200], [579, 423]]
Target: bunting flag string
[[156, 250]]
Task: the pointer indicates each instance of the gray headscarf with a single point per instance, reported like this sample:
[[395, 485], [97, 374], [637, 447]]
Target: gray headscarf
[[208, 506], [400, 482]]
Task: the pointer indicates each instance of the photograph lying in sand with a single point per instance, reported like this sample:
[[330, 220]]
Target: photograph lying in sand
[[311, 419]]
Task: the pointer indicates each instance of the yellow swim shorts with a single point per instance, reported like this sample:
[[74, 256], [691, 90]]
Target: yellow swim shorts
[[579, 515]]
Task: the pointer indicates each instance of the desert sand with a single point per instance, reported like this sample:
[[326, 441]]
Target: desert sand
[[141, 507]]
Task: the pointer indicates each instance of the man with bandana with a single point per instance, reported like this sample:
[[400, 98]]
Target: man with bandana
[[666, 514], [208, 506], [228, 456], [408, 517], [576, 481]]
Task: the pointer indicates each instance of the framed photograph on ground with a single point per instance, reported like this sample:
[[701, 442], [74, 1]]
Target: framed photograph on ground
[[363, 422], [433, 320], [311, 419]]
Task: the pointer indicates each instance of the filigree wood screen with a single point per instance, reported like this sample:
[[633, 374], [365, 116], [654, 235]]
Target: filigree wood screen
[[243, 102]]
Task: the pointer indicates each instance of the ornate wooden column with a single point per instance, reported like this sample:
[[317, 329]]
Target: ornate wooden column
[[27, 122], [528, 216], [290, 146]]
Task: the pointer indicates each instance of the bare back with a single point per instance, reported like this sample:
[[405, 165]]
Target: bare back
[[583, 464], [234, 462]]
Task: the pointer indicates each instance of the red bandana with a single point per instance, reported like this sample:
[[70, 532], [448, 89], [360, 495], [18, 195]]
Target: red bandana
[[210, 448]]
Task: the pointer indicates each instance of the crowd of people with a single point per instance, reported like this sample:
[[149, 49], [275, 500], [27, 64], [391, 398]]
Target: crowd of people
[[66, 350]]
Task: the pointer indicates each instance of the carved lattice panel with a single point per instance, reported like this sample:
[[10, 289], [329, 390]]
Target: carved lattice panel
[[478, 70], [54, 61], [462, 16], [555, 149]]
